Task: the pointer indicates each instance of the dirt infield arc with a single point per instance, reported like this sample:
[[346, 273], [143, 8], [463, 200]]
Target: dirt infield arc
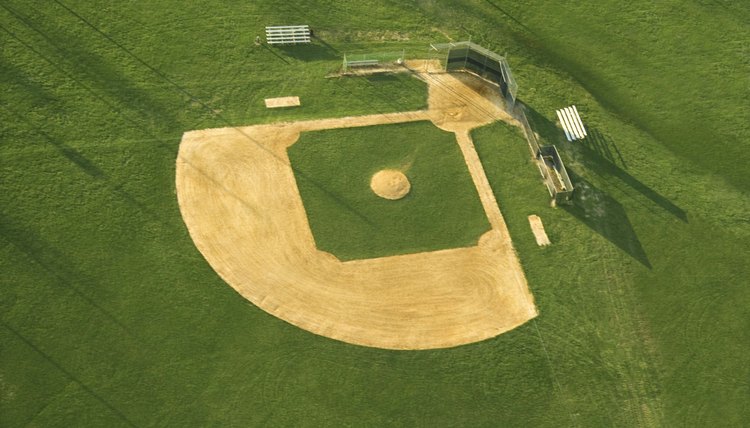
[[239, 200]]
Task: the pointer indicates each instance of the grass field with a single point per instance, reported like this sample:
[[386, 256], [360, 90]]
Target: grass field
[[333, 170], [110, 316]]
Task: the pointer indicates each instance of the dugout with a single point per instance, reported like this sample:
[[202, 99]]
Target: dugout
[[555, 175], [550, 163], [468, 56]]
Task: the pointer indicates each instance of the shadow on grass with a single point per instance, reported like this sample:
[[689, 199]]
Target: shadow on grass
[[603, 147], [67, 53], [108, 97], [52, 261], [137, 99], [382, 78], [513, 18], [328, 46], [70, 153], [276, 54], [307, 51], [16, 76], [546, 129], [391, 83], [607, 217], [68, 374], [301, 176], [606, 168], [89, 167], [600, 155]]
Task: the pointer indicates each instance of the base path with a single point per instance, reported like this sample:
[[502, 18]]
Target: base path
[[239, 199]]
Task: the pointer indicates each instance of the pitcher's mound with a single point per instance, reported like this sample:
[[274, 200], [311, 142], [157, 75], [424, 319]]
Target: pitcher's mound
[[390, 184]]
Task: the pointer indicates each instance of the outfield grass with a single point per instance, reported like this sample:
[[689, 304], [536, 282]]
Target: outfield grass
[[333, 170], [111, 317]]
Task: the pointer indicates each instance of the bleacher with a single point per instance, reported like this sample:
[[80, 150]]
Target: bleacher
[[288, 34], [571, 123]]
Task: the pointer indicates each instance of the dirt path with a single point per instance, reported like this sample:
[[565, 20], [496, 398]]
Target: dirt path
[[480, 181], [239, 200]]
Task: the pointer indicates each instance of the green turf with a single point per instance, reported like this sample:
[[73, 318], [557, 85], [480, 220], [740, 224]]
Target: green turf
[[333, 170], [111, 317]]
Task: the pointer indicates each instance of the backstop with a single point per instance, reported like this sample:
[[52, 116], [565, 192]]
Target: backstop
[[468, 56]]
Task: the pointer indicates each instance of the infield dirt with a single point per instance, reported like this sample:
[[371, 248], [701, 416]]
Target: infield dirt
[[239, 199]]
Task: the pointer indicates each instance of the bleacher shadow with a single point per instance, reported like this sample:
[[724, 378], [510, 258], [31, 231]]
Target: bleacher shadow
[[307, 51], [606, 216], [324, 43], [603, 147], [606, 167], [273, 51], [600, 155]]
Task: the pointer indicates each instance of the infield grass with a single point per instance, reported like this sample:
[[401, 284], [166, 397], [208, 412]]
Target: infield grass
[[333, 170], [110, 316]]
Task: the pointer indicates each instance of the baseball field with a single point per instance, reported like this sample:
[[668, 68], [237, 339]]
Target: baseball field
[[174, 253]]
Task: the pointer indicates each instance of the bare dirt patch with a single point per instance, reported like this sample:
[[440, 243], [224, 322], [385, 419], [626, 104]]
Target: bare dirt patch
[[537, 228], [282, 102], [238, 197], [390, 184]]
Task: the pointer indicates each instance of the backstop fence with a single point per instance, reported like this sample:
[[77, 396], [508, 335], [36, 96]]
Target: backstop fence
[[468, 56]]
